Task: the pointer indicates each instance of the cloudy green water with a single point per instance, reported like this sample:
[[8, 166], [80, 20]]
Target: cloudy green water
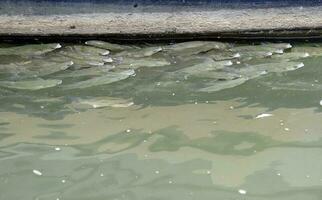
[[196, 120]]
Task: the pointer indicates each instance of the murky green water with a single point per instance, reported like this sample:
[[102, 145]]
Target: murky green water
[[195, 120]]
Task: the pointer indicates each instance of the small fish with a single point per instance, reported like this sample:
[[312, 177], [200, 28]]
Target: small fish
[[107, 45], [200, 65], [253, 71], [139, 53], [291, 56], [194, 47], [34, 68], [260, 51], [83, 51], [221, 85], [105, 79], [134, 63], [291, 85], [83, 56], [30, 50], [218, 75], [35, 84], [93, 71], [101, 102], [220, 55]]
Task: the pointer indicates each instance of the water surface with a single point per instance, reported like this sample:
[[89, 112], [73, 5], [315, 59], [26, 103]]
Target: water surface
[[194, 120]]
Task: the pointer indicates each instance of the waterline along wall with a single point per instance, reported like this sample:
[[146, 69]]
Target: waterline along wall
[[166, 19]]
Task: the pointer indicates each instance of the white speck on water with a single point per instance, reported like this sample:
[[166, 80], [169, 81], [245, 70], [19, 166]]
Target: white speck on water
[[63, 181], [321, 103], [231, 107], [263, 115], [58, 46], [37, 172], [105, 53], [208, 172], [145, 156], [241, 191], [269, 54], [264, 72], [207, 101], [42, 107], [108, 60], [173, 94], [101, 174], [229, 63], [57, 148], [157, 172], [279, 51], [237, 55], [286, 129], [306, 55], [307, 176], [170, 182], [238, 62], [128, 130], [196, 102], [158, 83], [300, 65], [278, 174], [288, 46]]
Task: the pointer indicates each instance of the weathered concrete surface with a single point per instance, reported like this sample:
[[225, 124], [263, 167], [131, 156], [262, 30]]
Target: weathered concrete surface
[[295, 22]]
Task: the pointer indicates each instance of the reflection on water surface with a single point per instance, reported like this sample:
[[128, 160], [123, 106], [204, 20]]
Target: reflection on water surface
[[193, 120]]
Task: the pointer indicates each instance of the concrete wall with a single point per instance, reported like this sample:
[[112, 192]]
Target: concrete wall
[[144, 19]]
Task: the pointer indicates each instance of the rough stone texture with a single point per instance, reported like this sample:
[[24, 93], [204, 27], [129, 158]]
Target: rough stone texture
[[295, 22]]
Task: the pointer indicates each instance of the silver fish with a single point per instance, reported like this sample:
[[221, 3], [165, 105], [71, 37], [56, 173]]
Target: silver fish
[[293, 85], [194, 47], [93, 71], [35, 84], [139, 53], [134, 63], [221, 85], [101, 80], [30, 50], [100, 102], [107, 45], [201, 65]]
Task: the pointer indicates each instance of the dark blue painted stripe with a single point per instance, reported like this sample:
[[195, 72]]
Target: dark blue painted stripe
[[50, 7]]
